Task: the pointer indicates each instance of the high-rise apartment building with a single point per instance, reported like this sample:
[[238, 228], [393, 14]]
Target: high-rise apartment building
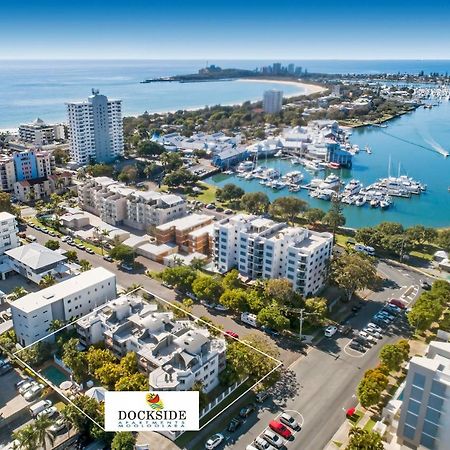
[[261, 248], [95, 129], [272, 101]]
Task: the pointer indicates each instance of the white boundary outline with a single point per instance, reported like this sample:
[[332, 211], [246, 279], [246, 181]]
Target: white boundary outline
[[172, 305]]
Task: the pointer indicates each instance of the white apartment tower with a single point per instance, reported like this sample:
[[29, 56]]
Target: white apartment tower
[[95, 129], [272, 101], [262, 248], [8, 232]]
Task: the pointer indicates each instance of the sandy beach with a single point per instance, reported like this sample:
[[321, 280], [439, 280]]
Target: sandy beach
[[307, 89]]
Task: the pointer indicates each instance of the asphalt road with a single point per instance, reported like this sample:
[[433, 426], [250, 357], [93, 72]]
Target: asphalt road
[[319, 387]]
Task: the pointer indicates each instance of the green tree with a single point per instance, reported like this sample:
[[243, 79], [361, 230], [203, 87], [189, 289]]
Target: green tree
[[314, 215], [230, 192], [231, 280], [369, 236], [129, 363], [47, 280], [171, 161], [420, 234], [181, 277], [202, 396], [150, 148], [426, 310], [390, 228], [98, 357], [255, 202], [123, 441], [392, 356], [18, 292], [317, 308], [75, 360], [109, 374], [207, 288], [180, 177], [85, 265], [361, 439], [8, 340], [133, 382], [27, 437], [235, 299], [352, 272], [443, 239], [288, 208], [271, 317], [123, 253], [52, 244], [5, 203], [371, 387], [280, 290], [334, 218], [197, 263], [100, 170], [44, 435], [72, 256], [129, 174]]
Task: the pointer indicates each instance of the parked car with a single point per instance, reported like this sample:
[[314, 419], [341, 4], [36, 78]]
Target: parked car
[[367, 337], [108, 258], [279, 428], [362, 341], [355, 345], [33, 392], [167, 285], [210, 206], [392, 309], [372, 332], [219, 209], [90, 251], [231, 334], [270, 331], [228, 211], [235, 423], [273, 439], [398, 303], [214, 441], [330, 331], [381, 321], [5, 368], [247, 410], [49, 412], [425, 285], [220, 307], [346, 330], [22, 382], [262, 444], [25, 386], [127, 267], [375, 327], [288, 420], [261, 396], [58, 425], [39, 407]]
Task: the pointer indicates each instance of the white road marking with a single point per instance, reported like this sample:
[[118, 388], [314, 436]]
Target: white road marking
[[355, 353]]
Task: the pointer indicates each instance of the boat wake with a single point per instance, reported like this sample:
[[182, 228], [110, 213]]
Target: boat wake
[[436, 146]]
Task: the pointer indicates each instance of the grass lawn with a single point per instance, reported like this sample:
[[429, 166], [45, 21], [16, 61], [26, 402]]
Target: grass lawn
[[341, 239], [208, 194], [369, 425], [338, 444], [357, 416]]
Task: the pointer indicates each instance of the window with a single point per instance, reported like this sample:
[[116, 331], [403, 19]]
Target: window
[[435, 402], [427, 441], [408, 432], [416, 393], [411, 419], [438, 389], [432, 415], [419, 380]]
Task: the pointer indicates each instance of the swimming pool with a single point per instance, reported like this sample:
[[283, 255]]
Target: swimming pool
[[54, 374]]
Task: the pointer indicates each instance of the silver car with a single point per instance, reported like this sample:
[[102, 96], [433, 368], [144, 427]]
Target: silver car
[[373, 333]]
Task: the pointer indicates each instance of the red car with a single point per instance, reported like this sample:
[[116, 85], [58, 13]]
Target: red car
[[398, 303], [231, 334], [279, 428]]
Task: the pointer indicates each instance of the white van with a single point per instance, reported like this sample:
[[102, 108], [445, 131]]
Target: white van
[[30, 238], [39, 406], [364, 249], [249, 319]]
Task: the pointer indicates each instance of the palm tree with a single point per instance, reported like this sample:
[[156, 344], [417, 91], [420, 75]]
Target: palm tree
[[133, 287], [27, 437], [81, 175], [47, 281], [104, 234], [85, 265], [55, 325], [18, 292], [41, 425], [197, 263]]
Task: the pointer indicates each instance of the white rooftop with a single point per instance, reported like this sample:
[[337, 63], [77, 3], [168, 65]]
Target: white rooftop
[[186, 222], [6, 216], [46, 296], [35, 255]]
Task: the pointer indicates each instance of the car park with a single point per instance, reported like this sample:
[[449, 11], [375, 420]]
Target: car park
[[330, 331], [262, 396], [235, 423], [5, 368], [262, 444], [355, 345], [280, 428], [288, 420], [345, 330], [381, 321], [247, 410], [397, 303], [214, 441], [273, 438], [392, 309], [362, 341]]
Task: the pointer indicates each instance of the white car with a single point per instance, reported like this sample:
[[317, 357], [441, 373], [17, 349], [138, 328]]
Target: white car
[[25, 386], [220, 307], [288, 420], [214, 441], [372, 332], [273, 438], [50, 411], [375, 327], [58, 425], [367, 337], [262, 444], [33, 392], [330, 331]]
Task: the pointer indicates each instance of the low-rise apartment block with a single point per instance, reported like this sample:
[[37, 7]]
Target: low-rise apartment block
[[261, 248], [117, 204], [72, 298], [8, 232], [175, 353], [425, 415], [39, 133]]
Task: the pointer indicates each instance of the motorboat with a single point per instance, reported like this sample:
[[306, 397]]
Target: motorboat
[[353, 187], [374, 203], [245, 166], [331, 182], [360, 201], [333, 165]]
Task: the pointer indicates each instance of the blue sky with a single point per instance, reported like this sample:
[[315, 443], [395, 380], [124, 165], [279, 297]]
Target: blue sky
[[174, 29]]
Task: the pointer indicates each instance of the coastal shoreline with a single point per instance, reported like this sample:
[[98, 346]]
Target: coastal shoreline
[[308, 88]]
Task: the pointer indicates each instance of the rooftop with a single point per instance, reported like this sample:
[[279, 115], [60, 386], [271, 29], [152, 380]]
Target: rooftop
[[35, 255], [47, 296], [6, 216], [186, 222]]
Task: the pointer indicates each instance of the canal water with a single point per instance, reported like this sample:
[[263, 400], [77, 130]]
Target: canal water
[[412, 142]]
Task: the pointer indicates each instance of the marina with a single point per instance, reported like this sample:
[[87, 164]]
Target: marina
[[370, 192]]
